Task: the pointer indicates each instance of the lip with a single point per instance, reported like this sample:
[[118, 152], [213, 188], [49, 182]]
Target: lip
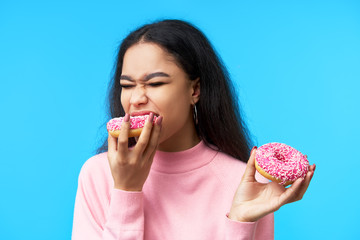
[[141, 113]]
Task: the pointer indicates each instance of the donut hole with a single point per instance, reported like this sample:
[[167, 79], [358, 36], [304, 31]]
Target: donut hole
[[279, 155]]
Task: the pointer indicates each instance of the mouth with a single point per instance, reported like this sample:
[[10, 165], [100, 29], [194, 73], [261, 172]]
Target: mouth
[[143, 113]]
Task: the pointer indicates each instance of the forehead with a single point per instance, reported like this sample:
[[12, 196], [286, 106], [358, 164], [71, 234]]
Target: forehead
[[142, 56]]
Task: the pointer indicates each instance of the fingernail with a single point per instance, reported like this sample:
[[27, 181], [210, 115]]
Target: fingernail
[[127, 117], [254, 148], [159, 120], [151, 117]]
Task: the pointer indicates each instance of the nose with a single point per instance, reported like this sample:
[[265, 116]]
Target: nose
[[138, 96]]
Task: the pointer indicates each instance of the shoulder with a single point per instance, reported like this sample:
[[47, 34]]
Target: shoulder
[[96, 162], [94, 188], [96, 169]]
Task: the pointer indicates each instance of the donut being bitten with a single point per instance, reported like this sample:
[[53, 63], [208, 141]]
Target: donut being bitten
[[281, 163], [137, 123]]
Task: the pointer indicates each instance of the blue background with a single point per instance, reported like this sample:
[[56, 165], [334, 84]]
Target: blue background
[[296, 65]]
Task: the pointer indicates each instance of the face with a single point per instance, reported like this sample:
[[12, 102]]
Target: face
[[152, 82]]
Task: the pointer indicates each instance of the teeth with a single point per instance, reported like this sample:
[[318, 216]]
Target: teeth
[[144, 116]]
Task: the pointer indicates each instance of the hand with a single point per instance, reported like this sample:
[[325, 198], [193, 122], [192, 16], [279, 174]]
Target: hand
[[254, 200], [130, 167]]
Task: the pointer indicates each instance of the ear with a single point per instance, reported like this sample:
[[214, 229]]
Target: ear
[[195, 90]]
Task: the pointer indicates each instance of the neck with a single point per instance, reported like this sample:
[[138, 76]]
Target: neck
[[183, 161], [181, 141]]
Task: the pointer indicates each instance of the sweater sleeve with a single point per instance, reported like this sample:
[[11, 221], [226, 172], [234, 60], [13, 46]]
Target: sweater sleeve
[[103, 213], [126, 216], [262, 229]]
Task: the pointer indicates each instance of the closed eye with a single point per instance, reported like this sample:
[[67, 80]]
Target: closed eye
[[156, 84], [126, 86]]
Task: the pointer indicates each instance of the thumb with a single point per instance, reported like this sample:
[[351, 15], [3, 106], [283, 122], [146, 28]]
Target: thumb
[[250, 170]]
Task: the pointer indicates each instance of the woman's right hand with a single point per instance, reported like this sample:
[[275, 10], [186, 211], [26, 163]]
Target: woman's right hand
[[130, 167], [253, 200]]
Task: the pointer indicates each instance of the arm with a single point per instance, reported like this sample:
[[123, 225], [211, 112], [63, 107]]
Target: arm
[[123, 216], [96, 218], [125, 219]]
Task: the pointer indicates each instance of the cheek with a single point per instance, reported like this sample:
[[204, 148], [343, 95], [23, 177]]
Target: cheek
[[124, 100], [175, 110], [172, 104]]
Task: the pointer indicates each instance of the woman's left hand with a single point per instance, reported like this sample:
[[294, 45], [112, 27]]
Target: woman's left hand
[[253, 200]]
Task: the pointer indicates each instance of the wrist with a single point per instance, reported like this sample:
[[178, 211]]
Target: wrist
[[236, 218], [127, 188], [237, 215]]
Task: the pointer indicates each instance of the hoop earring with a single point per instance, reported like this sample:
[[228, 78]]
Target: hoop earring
[[195, 115]]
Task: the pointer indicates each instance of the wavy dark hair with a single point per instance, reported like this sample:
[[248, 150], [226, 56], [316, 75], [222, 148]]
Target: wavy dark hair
[[220, 124]]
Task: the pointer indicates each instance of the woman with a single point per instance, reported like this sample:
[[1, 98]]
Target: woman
[[186, 176]]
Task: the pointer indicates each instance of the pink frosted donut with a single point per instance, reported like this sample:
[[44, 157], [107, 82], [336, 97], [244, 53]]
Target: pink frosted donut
[[281, 163], [136, 125]]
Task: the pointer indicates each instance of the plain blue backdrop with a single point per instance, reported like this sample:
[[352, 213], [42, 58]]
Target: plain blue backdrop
[[296, 65]]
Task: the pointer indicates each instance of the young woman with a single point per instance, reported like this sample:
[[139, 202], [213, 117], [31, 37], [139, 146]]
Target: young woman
[[186, 176]]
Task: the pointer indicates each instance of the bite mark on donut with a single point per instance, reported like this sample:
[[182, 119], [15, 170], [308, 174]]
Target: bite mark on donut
[[137, 123]]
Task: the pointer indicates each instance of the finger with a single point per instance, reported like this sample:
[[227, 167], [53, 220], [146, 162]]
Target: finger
[[123, 138], [307, 180], [291, 193], [150, 159], [145, 135], [250, 170], [305, 184], [154, 139], [112, 144], [312, 168]]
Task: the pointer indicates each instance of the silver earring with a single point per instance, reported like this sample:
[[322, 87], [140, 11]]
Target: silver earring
[[195, 115]]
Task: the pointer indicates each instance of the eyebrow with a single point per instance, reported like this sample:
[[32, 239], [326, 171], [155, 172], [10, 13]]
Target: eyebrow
[[147, 77]]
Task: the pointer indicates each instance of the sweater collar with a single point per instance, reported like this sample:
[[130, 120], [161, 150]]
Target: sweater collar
[[183, 161]]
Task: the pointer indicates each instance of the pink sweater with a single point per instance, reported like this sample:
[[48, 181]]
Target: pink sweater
[[186, 196]]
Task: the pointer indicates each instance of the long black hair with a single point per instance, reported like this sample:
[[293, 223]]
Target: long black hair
[[220, 124]]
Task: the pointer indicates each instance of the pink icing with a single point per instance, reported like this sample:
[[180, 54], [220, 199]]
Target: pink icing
[[135, 122], [282, 161]]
